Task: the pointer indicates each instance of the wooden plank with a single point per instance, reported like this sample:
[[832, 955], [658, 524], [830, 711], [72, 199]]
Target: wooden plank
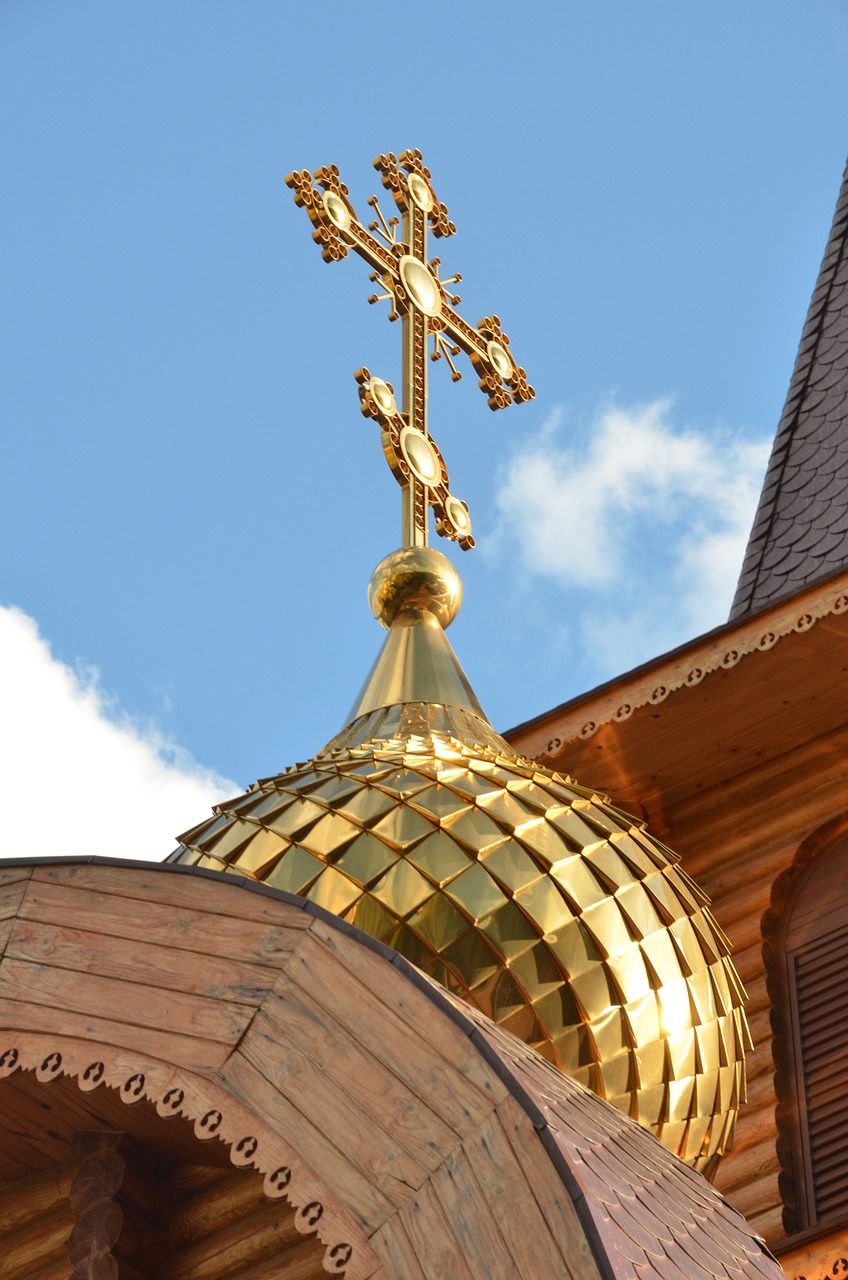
[[56, 1268], [769, 1225], [757, 1197], [13, 875], [49, 1113], [28, 1142], [11, 896], [200, 927], [750, 1164], [743, 907], [258, 1236], [513, 1205], [395, 1248], [753, 1127], [333, 969], [761, 1090], [471, 1219], [749, 961], [34, 1122], [59, 1108], [188, 1051], [305, 1134], [759, 1062], [6, 927], [140, 1007], [765, 818], [373, 1087], [209, 976], [432, 1239], [551, 1195], [20, 1157], [224, 897], [764, 827], [759, 1024], [234, 1196], [369, 1144], [28, 1198]]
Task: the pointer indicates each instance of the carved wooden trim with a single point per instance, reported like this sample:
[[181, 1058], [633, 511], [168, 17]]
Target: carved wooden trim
[[582, 720], [790, 1137], [215, 1115]]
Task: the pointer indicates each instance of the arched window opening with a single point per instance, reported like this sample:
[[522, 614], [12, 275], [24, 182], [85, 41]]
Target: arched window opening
[[811, 1043]]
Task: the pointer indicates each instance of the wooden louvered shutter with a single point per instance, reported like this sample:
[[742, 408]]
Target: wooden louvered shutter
[[820, 971], [817, 970]]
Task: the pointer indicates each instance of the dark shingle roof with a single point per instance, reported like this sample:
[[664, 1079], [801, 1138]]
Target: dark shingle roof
[[648, 1215], [800, 531]]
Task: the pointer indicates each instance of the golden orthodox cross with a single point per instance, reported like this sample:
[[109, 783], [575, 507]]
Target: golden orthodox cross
[[412, 286]]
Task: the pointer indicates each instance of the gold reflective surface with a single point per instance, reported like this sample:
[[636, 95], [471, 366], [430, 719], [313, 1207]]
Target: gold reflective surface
[[421, 457], [415, 578], [500, 358], [383, 394], [421, 286], [420, 192], [523, 893], [337, 210], [457, 513]]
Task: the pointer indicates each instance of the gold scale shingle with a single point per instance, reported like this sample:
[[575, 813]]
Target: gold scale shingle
[[530, 897]]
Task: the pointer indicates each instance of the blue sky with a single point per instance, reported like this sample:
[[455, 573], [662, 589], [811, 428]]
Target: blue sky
[[190, 503]]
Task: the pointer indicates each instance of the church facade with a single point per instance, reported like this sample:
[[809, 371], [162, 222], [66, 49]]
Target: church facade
[[424, 1007]]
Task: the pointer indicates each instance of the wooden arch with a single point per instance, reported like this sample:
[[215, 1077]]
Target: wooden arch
[[404, 1135], [94, 1174], [312, 1060], [795, 1179]]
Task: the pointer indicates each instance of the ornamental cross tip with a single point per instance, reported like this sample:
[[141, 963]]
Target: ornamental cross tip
[[396, 250]]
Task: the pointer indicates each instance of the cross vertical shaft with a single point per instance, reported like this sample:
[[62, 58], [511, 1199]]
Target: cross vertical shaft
[[414, 385]]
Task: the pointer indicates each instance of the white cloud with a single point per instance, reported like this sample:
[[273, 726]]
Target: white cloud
[[643, 525], [80, 777]]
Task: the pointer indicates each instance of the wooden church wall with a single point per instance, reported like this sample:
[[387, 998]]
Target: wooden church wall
[[736, 841]]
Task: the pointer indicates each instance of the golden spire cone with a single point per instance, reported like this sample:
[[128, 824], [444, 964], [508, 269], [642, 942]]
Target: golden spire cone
[[416, 664], [415, 593]]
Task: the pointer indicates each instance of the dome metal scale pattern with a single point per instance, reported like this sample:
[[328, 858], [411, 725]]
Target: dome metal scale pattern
[[530, 897]]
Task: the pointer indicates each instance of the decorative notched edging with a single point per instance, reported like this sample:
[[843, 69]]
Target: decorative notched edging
[[745, 641], [214, 1116]]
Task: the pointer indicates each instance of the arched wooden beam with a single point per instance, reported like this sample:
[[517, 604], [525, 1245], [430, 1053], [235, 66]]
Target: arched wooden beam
[[434, 1142]]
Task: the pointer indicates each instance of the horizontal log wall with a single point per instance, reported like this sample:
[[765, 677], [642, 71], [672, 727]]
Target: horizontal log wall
[[735, 841]]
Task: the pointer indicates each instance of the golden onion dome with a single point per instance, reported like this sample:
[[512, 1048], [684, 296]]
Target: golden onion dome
[[530, 897]]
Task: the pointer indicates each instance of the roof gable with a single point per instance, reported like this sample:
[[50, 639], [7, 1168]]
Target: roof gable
[[800, 531]]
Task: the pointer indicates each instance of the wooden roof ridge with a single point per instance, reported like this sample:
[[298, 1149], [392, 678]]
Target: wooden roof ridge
[[644, 1213], [800, 531], [652, 682]]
